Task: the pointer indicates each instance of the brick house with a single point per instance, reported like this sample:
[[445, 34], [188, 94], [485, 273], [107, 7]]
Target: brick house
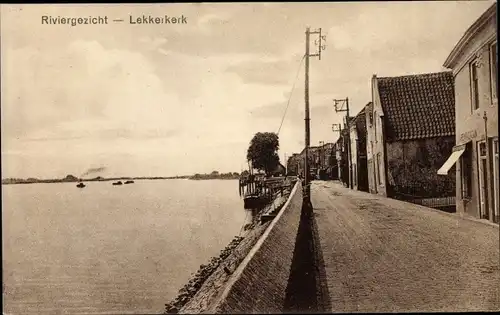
[[320, 158], [314, 154], [334, 166], [410, 134], [473, 62], [292, 166], [313, 161], [300, 163], [326, 160], [358, 152], [342, 157]]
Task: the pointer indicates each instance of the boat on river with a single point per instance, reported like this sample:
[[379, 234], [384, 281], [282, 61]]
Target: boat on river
[[255, 200], [80, 185], [118, 183], [129, 182]]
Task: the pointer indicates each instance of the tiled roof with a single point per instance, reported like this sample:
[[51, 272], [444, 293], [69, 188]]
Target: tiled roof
[[418, 106], [328, 145], [351, 120], [311, 149]]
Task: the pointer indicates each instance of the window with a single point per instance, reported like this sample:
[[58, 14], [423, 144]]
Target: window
[[375, 126], [379, 178], [474, 85], [493, 71], [466, 172]]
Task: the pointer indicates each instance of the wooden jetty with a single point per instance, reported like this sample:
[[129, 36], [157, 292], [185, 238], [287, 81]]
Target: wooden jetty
[[259, 191]]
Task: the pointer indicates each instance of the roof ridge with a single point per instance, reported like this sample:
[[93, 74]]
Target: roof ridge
[[428, 74], [471, 31]]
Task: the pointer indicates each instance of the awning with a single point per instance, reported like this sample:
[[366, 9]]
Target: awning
[[455, 155]]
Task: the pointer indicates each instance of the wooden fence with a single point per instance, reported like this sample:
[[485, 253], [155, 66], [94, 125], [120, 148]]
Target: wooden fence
[[435, 202]]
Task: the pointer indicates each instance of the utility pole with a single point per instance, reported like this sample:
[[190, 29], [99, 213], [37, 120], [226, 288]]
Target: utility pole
[[337, 128], [307, 191], [345, 108]]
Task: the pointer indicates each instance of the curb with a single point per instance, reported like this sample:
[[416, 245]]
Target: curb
[[471, 218]]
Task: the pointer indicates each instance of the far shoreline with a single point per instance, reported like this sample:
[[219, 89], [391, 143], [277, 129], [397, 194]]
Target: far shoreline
[[60, 181]]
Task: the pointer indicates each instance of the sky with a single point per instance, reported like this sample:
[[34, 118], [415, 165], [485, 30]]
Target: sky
[[179, 99]]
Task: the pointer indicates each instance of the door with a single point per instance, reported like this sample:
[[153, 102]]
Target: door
[[363, 175], [483, 175], [496, 184], [354, 175]]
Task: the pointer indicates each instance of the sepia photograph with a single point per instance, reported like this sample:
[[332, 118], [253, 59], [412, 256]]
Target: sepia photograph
[[250, 157]]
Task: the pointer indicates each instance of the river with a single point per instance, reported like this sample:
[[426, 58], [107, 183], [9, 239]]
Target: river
[[111, 249]]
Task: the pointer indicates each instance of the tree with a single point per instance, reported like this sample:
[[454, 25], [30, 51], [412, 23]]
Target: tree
[[245, 173], [70, 178], [262, 152]]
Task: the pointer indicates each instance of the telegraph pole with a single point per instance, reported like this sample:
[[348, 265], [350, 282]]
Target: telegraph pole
[[345, 102], [307, 120], [307, 191], [337, 128]]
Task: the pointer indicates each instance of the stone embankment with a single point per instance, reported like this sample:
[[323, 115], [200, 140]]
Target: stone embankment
[[196, 282], [208, 284], [259, 284]]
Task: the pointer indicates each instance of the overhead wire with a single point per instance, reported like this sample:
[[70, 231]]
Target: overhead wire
[[281, 123], [291, 93]]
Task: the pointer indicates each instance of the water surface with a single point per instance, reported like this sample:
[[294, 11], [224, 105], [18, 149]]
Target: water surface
[[111, 249]]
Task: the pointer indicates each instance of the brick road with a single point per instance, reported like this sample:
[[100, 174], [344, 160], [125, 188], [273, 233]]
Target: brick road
[[384, 255]]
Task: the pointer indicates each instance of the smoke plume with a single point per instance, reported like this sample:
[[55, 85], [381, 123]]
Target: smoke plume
[[93, 171]]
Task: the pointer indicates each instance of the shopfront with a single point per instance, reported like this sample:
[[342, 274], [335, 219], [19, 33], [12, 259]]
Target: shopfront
[[474, 64]]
